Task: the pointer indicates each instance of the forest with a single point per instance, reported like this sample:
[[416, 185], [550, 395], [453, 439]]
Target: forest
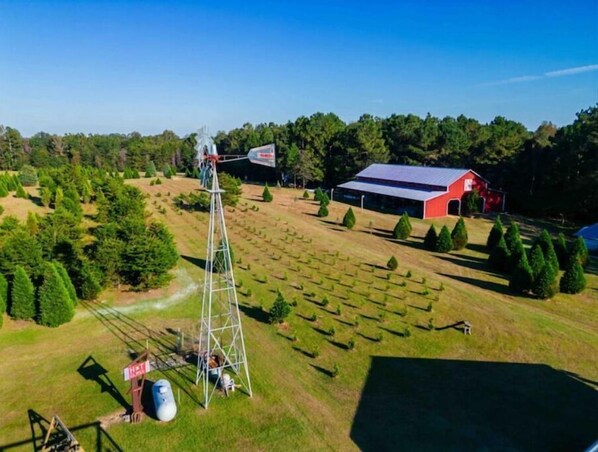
[[550, 172]]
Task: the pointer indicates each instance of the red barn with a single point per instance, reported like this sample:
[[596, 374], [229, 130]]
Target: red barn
[[421, 191]]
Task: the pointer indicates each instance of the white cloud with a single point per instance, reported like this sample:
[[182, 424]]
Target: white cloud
[[559, 73], [572, 71]]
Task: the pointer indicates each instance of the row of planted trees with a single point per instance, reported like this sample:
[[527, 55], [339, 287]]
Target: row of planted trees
[[536, 270], [123, 247]]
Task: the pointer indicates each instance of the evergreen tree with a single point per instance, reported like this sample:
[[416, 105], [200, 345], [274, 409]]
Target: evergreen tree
[[280, 310], [305, 195], [459, 235], [545, 242], [573, 280], [55, 305], [21, 193], [495, 234], [3, 189], [512, 236], [392, 263], [444, 243], [68, 284], [22, 295], [3, 297], [167, 171], [499, 256], [402, 229], [431, 238], [266, 195], [406, 215], [522, 277], [27, 176], [545, 286], [150, 169], [515, 255], [349, 219], [318, 194], [46, 196], [195, 173], [536, 260], [32, 223], [324, 199], [323, 211], [88, 281], [579, 251], [58, 197], [560, 248], [135, 174]]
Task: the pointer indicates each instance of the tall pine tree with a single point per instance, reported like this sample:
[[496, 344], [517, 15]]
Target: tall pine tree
[[459, 235], [431, 238], [573, 280], [3, 297], [512, 236], [444, 243], [522, 278], [68, 284], [402, 229], [55, 305], [22, 295], [495, 234]]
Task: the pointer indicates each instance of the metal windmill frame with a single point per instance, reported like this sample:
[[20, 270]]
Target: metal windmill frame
[[221, 340]]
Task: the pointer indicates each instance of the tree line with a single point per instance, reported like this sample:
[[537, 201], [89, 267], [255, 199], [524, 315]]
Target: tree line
[[551, 171]]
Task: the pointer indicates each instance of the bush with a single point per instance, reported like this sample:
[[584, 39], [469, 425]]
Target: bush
[[28, 176], [22, 296], [545, 286], [323, 211], [444, 243], [280, 310], [55, 305], [431, 238], [266, 195], [335, 370], [495, 234], [349, 219], [471, 203], [459, 235], [522, 277], [351, 344], [392, 263], [402, 229], [499, 256], [573, 281], [579, 252]]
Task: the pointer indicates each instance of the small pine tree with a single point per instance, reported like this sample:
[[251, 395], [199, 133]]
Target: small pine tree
[[545, 286], [305, 195], [280, 309], [499, 256], [392, 263], [32, 223], [402, 229], [21, 193], [349, 219], [545, 242], [560, 248], [22, 295], [3, 189], [150, 170], [522, 277], [318, 194], [512, 236], [324, 199], [495, 234], [58, 197], [444, 243], [323, 211], [536, 260], [55, 305], [459, 235], [515, 255], [579, 251], [68, 284], [266, 195], [431, 238], [573, 280], [167, 171]]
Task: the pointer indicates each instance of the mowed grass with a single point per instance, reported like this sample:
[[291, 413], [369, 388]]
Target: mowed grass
[[296, 404]]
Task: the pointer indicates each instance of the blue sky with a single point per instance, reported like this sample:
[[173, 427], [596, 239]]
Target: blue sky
[[98, 67]]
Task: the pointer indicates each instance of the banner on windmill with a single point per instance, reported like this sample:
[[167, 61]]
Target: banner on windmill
[[263, 155]]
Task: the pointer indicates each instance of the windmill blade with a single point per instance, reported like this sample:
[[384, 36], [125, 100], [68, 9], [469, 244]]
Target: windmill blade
[[263, 155]]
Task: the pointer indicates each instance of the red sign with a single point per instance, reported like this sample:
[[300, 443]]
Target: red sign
[[137, 369]]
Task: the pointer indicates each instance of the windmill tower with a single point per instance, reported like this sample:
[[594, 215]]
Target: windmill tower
[[221, 342]]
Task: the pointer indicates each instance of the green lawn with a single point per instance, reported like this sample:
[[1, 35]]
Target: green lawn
[[296, 403]]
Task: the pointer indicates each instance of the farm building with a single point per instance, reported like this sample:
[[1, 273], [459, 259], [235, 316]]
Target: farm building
[[421, 191], [590, 236]]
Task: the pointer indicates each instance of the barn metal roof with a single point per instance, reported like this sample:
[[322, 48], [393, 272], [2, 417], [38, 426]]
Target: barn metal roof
[[426, 175], [588, 232], [388, 190]]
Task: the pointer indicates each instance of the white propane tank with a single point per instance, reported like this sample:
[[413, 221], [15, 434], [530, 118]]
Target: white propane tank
[[164, 402]]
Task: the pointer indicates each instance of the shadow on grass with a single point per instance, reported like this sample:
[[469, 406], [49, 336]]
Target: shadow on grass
[[472, 405], [197, 261], [344, 322], [307, 353], [304, 317], [321, 331], [337, 344], [323, 370], [488, 285], [475, 263], [369, 338], [477, 248], [39, 429], [254, 313], [90, 369]]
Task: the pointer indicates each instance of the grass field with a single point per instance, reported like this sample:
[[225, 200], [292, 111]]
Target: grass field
[[525, 379]]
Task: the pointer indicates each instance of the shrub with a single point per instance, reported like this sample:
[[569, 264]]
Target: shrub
[[459, 235], [573, 281], [512, 236], [266, 195], [323, 211], [280, 310], [55, 305], [472, 202], [22, 296], [349, 219], [335, 370], [351, 344], [331, 331], [402, 229], [407, 331], [522, 277], [444, 243], [495, 234], [325, 301], [579, 251], [305, 195], [392, 263], [28, 176], [499, 256], [431, 238], [158, 181], [545, 286], [536, 260]]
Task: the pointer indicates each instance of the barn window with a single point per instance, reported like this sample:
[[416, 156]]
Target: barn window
[[468, 184]]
